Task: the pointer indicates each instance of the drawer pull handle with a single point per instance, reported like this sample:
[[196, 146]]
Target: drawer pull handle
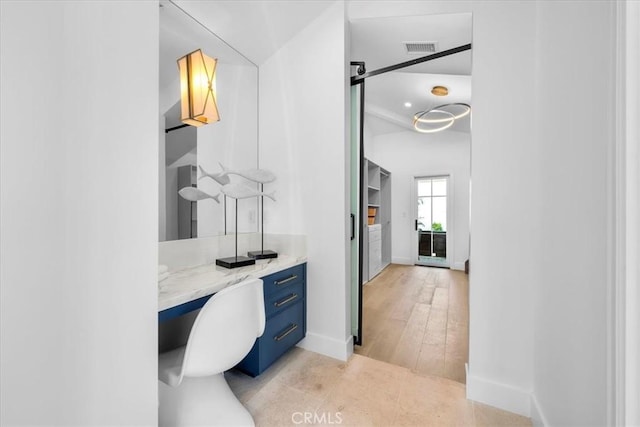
[[286, 300], [291, 328], [287, 280]]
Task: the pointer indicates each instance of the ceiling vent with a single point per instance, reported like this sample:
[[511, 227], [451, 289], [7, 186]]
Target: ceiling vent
[[421, 48]]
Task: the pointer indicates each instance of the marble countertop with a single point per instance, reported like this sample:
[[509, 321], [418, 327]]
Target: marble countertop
[[191, 283]]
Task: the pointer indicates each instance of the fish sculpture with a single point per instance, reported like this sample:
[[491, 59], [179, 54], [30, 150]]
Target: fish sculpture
[[241, 191], [220, 178], [193, 194], [261, 176]]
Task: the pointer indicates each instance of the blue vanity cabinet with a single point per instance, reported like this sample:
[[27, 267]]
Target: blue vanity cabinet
[[285, 298]]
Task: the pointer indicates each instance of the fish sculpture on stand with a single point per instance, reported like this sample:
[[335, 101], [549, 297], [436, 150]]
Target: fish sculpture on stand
[[220, 178], [193, 194], [241, 191], [261, 176]]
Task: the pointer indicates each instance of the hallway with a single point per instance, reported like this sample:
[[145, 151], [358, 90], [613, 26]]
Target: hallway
[[418, 318]]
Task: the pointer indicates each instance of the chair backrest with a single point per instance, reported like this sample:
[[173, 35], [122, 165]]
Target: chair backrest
[[225, 329]]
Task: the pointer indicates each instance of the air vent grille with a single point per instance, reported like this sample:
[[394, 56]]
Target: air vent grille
[[417, 48]]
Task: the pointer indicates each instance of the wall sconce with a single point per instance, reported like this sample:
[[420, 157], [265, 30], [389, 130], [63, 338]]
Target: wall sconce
[[198, 89]]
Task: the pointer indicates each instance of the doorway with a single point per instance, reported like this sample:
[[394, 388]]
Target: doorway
[[412, 118], [431, 225]]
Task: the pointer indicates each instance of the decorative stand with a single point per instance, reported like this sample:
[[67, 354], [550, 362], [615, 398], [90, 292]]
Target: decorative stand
[[235, 261], [237, 191], [262, 253]]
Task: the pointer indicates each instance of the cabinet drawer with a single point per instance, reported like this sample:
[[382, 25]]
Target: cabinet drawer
[[282, 332], [285, 279], [284, 299], [375, 233], [375, 249], [286, 324]]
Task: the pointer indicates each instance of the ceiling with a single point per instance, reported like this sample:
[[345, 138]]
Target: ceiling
[[380, 43], [257, 28]]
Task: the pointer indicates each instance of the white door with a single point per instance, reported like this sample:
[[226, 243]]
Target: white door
[[430, 227]]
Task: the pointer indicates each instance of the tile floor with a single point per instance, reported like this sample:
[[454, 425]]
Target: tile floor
[[305, 388], [418, 317]]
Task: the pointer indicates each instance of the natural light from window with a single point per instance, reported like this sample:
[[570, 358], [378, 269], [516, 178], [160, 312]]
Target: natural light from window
[[432, 204]]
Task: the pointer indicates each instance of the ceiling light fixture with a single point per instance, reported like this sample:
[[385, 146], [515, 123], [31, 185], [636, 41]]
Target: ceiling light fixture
[[198, 89], [407, 104], [446, 118], [440, 91], [443, 115]]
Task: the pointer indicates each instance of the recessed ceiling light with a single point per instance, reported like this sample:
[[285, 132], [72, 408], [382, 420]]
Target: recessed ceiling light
[[440, 91], [407, 104]]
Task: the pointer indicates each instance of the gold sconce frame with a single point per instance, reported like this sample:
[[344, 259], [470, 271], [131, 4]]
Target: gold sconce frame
[[198, 89]]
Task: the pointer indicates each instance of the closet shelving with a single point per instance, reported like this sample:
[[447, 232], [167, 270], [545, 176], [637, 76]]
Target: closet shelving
[[377, 217]]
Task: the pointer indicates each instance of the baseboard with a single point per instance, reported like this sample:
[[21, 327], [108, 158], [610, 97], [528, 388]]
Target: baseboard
[[409, 261], [458, 266], [501, 396], [537, 416], [403, 261], [328, 346]]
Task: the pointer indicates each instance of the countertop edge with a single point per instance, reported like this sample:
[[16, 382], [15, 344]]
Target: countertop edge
[[178, 297]]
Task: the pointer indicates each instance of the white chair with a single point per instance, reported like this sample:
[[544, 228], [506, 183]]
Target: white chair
[[192, 389]]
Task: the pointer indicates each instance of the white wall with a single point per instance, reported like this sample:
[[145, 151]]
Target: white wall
[[368, 136], [631, 159], [504, 165], [570, 340], [302, 139], [78, 213], [409, 154]]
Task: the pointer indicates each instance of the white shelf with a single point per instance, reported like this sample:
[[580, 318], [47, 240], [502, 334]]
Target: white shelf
[[377, 252]]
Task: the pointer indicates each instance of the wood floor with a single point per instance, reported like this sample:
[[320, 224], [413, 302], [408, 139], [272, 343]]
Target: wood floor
[[360, 392], [418, 318]]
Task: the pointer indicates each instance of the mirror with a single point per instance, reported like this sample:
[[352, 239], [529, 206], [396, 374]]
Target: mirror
[[188, 153]]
